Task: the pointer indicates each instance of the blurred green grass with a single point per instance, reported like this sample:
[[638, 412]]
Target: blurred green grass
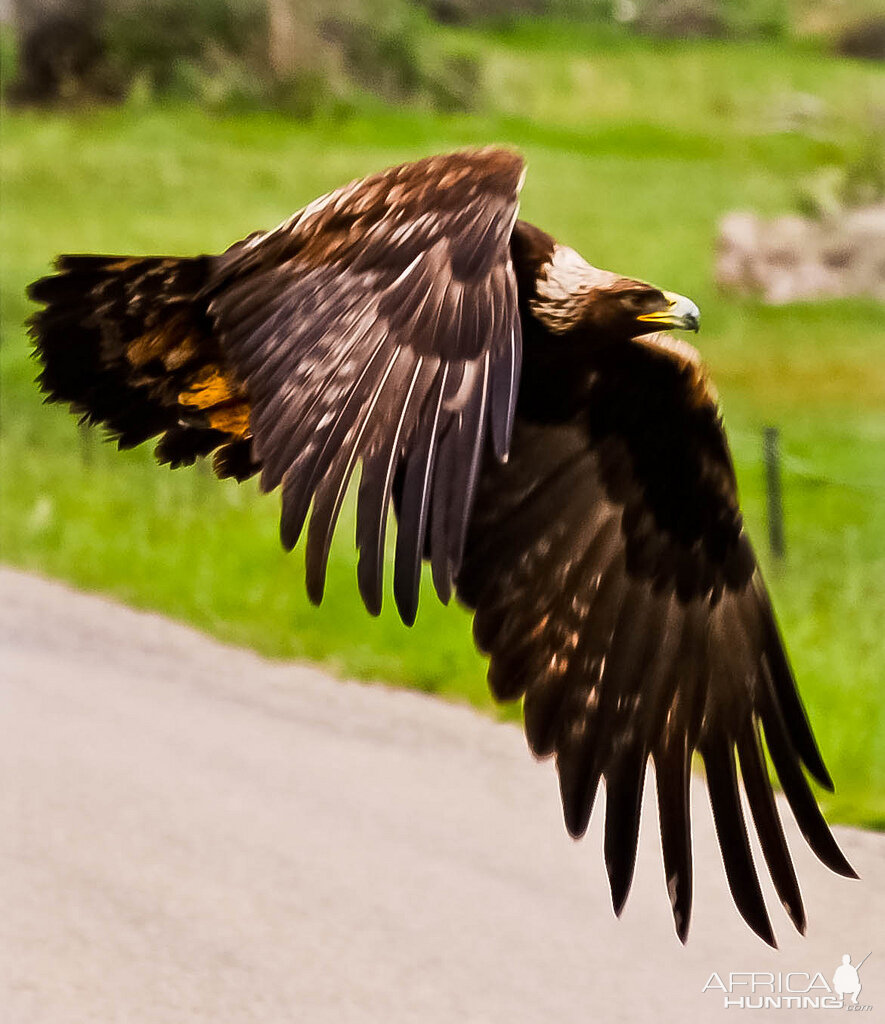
[[634, 151]]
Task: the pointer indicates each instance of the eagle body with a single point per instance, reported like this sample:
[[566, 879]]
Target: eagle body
[[559, 462]]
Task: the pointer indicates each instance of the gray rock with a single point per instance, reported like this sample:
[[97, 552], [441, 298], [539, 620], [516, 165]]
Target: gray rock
[[792, 259]]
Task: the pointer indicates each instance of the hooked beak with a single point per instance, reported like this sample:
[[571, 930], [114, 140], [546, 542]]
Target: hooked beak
[[681, 314]]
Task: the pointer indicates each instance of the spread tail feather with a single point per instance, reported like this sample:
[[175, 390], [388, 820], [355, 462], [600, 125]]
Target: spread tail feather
[[126, 342]]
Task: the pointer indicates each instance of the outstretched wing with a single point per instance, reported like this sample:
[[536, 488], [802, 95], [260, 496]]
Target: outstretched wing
[[380, 325], [616, 591]]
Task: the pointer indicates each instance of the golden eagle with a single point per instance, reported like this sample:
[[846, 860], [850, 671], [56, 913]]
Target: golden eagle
[[556, 460]]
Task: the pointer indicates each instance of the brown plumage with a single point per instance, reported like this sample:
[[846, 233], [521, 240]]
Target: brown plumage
[[558, 463]]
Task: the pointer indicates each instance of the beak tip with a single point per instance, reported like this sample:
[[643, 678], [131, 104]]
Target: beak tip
[[687, 316]]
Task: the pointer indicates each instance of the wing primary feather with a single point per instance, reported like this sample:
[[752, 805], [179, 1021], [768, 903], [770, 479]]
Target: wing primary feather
[[455, 479], [692, 663], [445, 500], [635, 635], [472, 434], [440, 513], [731, 830], [415, 502], [623, 806], [578, 782], [302, 477], [663, 672], [295, 367], [794, 715], [799, 796], [543, 705], [505, 386], [289, 420], [673, 780], [373, 504], [291, 336], [327, 504], [582, 750], [768, 823], [280, 435]]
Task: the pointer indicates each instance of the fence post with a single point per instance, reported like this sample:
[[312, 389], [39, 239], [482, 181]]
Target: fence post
[[771, 453]]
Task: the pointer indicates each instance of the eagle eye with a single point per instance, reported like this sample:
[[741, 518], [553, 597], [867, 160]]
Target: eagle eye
[[643, 300]]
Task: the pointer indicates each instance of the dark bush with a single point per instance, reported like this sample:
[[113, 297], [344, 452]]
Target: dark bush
[[160, 39], [865, 40], [60, 53], [306, 56], [390, 50], [465, 12]]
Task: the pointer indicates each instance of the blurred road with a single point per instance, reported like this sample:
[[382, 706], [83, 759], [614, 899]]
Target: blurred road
[[190, 833]]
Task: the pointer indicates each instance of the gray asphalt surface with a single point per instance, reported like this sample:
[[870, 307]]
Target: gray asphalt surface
[[191, 833]]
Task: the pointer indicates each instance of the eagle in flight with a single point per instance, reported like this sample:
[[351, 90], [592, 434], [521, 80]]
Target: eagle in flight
[[559, 462]]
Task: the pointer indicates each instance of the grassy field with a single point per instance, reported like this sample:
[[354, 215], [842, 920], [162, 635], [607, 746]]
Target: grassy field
[[634, 152]]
